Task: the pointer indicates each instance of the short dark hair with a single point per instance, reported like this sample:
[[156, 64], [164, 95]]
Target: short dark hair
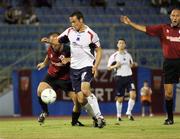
[[78, 14], [122, 39], [145, 81], [53, 33]]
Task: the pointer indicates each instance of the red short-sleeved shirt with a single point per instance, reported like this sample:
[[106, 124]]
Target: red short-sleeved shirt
[[169, 38], [56, 68]]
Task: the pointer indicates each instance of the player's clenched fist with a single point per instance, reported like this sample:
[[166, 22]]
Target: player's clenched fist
[[125, 20], [41, 66], [44, 40]]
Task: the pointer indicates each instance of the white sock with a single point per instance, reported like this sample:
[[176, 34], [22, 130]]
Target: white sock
[[131, 103], [119, 109], [89, 110], [92, 100]]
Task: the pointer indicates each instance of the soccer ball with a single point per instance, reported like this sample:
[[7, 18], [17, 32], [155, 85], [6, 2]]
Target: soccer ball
[[48, 96]]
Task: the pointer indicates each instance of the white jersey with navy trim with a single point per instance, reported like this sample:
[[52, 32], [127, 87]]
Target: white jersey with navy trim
[[81, 55], [125, 61]]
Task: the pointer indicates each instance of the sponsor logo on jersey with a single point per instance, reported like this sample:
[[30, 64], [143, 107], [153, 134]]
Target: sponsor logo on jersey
[[173, 39], [56, 64]]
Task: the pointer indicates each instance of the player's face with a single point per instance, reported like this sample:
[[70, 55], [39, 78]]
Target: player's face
[[175, 17], [121, 44], [146, 84], [57, 47], [76, 23]]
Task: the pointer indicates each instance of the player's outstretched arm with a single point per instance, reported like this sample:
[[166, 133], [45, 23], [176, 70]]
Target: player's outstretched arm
[[53, 41], [43, 64], [127, 21], [44, 40]]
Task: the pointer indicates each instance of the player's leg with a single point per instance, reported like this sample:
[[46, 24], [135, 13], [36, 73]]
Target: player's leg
[[169, 103], [120, 91], [87, 107], [76, 110], [44, 107], [66, 86], [171, 70], [81, 83], [119, 101], [143, 110], [132, 98], [75, 75], [92, 100], [150, 110], [131, 104], [84, 103]]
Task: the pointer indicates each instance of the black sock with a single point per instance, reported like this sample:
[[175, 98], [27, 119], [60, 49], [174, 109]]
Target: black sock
[[43, 105], [75, 117], [169, 109]]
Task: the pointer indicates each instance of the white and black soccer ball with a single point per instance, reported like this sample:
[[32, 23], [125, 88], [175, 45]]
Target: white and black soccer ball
[[48, 96]]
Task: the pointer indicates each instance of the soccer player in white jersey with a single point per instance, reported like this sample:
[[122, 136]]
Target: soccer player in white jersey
[[84, 63], [123, 63]]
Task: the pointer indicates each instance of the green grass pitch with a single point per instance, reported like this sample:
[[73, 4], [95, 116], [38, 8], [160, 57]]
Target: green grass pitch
[[60, 128]]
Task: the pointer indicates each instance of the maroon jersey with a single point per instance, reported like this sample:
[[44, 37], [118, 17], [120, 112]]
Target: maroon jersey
[[56, 68], [169, 37]]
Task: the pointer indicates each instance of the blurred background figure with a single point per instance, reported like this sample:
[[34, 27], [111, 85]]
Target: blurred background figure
[[98, 3], [13, 16], [44, 3], [146, 93], [162, 4], [22, 13]]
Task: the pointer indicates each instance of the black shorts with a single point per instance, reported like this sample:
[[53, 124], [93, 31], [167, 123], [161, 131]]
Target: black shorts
[[146, 103], [80, 75], [123, 83], [171, 69], [55, 83]]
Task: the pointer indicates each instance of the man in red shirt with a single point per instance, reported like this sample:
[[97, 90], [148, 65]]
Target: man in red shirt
[[169, 35], [57, 77]]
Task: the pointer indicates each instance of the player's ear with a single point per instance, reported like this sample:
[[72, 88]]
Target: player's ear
[[117, 45]]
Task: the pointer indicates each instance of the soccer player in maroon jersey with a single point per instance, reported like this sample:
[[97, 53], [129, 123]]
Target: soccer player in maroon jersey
[[169, 35], [58, 77]]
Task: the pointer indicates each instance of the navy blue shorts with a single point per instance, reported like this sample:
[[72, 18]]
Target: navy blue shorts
[[123, 83], [55, 83], [80, 75]]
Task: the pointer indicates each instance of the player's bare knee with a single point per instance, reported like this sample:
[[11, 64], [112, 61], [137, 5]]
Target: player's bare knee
[[41, 87], [168, 95], [119, 99], [81, 102], [168, 91], [39, 90], [73, 97], [86, 92], [133, 95], [81, 99], [85, 89]]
